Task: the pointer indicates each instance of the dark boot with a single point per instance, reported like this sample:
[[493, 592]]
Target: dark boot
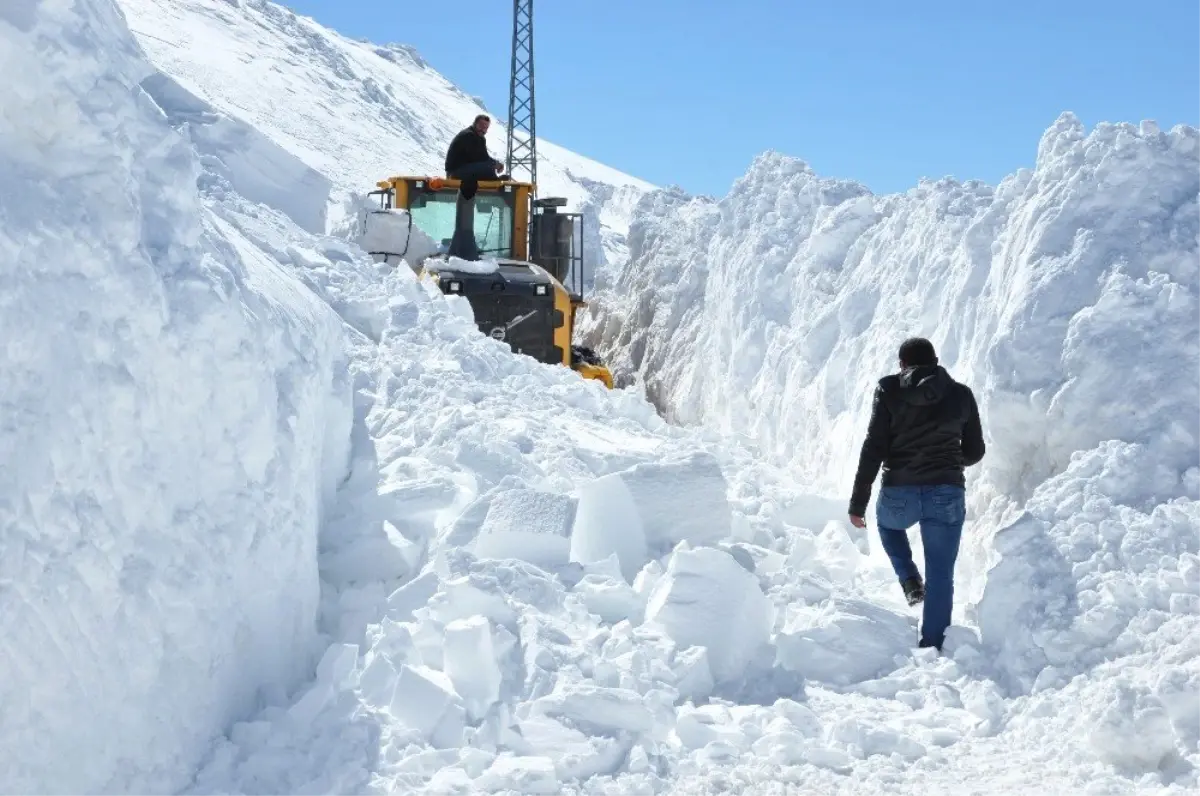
[[463, 244], [914, 590]]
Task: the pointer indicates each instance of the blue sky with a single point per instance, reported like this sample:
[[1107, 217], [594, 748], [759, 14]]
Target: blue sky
[[687, 93]]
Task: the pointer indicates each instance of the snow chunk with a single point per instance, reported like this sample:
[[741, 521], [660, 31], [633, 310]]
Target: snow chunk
[[848, 641], [528, 524], [532, 775], [607, 523], [707, 599], [612, 599], [425, 700], [1131, 728], [469, 660], [390, 236], [681, 499], [599, 708], [254, 165], [483, 265], [647, 509]]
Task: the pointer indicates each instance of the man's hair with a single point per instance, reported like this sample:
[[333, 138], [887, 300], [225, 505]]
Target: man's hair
[[916, 351], [483, 117]]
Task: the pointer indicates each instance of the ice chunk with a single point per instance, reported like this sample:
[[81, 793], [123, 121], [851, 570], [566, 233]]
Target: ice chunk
[[708, 599], [527, 524]]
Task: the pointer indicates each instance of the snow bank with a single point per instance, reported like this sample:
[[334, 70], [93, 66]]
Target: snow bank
[[1067, 298], [254, 166], [174, 427]]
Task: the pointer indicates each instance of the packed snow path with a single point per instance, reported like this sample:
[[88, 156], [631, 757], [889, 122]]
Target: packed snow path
[[284, 522]]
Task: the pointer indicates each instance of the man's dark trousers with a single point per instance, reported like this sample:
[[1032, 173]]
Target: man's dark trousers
[[940, 511]]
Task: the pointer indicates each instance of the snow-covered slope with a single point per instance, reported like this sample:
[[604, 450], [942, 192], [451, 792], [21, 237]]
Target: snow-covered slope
[[174, 420], [1066, 296], [351, 111]]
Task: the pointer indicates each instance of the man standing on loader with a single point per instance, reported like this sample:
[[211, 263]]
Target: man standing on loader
[[467, 160]]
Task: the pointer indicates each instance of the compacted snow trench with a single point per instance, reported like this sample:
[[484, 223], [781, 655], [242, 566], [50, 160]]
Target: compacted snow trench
[[285, 522]]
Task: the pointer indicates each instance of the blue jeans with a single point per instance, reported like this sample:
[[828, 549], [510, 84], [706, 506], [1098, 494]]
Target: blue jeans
[[940, 510]]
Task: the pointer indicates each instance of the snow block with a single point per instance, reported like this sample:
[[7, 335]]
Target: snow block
[[602, 710], [527, 524], [532, 775], [707, 599], [607, 522], [849, 641], [647, 509], [469, 660], [390, 236], [612, 599], [681, 500], [425, 700]]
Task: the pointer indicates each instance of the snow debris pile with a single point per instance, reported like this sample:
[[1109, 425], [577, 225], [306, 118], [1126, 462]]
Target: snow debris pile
[[176, 418], [473, 643]]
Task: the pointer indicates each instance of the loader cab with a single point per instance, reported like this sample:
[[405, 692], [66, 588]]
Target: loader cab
[[509, 222], [529, 300], [431, 204]]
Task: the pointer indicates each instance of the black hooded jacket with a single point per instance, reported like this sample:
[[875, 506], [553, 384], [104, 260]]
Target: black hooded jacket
[[924, 431], [466, 148]]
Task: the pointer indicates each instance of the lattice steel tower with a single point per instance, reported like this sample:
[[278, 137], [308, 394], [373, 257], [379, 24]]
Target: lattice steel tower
[[521, 115]]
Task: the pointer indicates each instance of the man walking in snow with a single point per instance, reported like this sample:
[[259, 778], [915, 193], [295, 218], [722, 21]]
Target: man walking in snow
[[924, 431]]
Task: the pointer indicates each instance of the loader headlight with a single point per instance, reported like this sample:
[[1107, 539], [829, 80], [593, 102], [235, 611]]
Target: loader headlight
[[454, 286], [540, 290]]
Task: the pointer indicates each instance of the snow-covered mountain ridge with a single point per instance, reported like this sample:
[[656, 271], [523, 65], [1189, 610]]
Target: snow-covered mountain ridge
[[349, 112]]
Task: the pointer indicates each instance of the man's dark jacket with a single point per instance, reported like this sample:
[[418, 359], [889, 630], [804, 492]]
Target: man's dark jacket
[[467, 147], [924, 431]]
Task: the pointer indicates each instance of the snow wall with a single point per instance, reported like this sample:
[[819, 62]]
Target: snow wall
[[1066, 297], [172, 421]]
